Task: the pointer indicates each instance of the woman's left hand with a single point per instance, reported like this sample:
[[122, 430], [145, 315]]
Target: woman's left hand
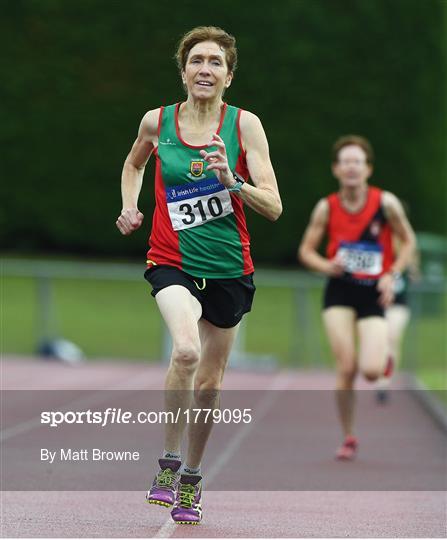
[[218, 161], [386, 288]]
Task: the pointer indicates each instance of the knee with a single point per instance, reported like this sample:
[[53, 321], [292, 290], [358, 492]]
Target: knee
[[346, 375], [185, 357], [207, 392], [371, 374]]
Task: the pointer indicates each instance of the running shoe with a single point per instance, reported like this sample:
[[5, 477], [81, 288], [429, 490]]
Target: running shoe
[[382, 396], [389, 368], [164, 487], [348, 449], [187, 507]]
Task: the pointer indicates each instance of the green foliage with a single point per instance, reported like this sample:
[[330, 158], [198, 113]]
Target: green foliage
[[81, 74]]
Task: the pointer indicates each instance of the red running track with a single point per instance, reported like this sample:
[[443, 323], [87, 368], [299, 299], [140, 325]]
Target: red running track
[[258, 513]]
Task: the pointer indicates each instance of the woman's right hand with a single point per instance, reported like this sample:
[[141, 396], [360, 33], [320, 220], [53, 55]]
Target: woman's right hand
[[335, 268], [129, 220]]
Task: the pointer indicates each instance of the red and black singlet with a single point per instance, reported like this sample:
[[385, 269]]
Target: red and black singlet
[[362, 240]]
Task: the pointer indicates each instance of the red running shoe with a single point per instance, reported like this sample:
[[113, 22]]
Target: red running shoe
[[348, 449]]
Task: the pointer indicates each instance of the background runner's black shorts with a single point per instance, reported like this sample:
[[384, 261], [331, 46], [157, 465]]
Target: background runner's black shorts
[[401, 290], [401, 299], [364, 299], [224, 301]]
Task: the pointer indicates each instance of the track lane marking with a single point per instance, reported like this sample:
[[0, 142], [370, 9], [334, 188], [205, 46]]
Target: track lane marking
[[280, 382]]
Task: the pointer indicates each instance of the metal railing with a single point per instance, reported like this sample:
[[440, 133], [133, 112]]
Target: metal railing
[[301, 284]]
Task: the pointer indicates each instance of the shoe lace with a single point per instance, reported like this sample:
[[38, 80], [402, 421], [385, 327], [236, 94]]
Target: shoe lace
[[187, 494], [165, 478]]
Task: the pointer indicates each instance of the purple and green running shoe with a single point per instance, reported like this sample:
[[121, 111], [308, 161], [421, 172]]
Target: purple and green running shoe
[[164, 487], [187, 507]]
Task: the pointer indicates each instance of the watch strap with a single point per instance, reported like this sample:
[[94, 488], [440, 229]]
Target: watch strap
[[235, 188]]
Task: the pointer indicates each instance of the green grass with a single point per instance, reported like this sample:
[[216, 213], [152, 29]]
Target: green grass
[[434, 378], [269, 322], [105, 318], [120, 319], [18, 315]]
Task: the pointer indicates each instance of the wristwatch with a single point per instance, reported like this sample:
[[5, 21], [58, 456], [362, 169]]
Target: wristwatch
[[396, 275], [235, 188]]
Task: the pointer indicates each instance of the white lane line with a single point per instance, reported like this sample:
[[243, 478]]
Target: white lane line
[[280, 382]]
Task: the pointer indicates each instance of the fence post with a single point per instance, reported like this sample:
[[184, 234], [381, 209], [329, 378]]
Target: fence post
[[45, 326]]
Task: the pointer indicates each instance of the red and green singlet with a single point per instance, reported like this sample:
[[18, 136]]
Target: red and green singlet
[[198, 226]]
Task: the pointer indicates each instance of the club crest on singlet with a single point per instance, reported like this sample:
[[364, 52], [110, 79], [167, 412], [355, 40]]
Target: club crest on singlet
[[196, 170], [191, 205], [361, 257], [375, 228]]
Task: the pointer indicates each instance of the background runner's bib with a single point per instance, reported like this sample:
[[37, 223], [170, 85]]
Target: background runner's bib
[[361, 258], [361, 239], [196, 205], [198, 226]]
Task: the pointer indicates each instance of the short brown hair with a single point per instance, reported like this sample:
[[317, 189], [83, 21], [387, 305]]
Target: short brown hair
[[207, 33], [357, 140]]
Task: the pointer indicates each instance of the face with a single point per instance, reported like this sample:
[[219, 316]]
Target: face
[[352, 169], [206, 74]]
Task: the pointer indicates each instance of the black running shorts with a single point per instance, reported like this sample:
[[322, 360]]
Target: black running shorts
[[401, 299], [223, 301], [364, 299]]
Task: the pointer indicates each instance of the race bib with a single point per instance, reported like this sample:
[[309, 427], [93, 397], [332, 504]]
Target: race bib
[[361, 258], [191, 205]]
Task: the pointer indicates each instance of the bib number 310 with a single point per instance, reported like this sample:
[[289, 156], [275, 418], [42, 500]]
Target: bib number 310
[[212, 208], [197, 203]]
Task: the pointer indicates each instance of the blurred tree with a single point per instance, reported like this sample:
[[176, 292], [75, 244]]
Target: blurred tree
[[81, 74]]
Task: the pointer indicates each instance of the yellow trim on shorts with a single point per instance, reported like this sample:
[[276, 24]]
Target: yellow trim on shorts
[[203, 284]]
